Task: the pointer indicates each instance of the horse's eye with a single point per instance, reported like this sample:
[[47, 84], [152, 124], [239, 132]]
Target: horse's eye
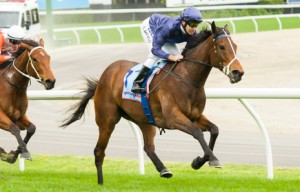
[[222, 47], [34, 59]]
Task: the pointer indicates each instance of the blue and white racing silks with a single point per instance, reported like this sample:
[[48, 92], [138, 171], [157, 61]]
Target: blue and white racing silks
[[166, 30]]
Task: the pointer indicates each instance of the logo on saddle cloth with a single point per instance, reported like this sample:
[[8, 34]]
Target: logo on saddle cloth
[[132, 74]]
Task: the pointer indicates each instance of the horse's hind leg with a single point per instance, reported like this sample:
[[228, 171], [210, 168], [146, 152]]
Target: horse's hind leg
[[206, 125], [148, 135], [99, 151], [107, 116]]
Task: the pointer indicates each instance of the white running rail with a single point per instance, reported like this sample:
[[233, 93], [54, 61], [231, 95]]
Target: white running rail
[[119, 28]]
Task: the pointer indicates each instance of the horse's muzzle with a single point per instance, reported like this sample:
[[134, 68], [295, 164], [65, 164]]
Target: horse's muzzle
[[235, 76], [48, 84]]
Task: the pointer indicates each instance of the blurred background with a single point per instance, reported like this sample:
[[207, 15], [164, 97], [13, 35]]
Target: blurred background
[[77, 22]]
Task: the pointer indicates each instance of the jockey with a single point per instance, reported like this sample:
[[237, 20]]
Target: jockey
[[163, 32], [10, 43]]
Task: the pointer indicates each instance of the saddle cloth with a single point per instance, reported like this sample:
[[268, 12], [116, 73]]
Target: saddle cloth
[[132, 74]]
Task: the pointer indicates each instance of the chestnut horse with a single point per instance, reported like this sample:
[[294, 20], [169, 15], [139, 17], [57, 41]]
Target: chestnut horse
[[32, 62], [172, 108]]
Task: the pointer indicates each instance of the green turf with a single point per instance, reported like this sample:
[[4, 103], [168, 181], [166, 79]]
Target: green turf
[[69, 173]]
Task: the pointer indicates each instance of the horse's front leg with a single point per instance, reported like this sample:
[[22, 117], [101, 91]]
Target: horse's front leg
[[206, 125], [148, 135], [177, 120], [22, 145], [30, 130], [8, 125]]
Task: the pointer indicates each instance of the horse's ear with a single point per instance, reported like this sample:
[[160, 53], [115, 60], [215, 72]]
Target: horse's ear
[[213, 27], [41, 42], [226, 27]]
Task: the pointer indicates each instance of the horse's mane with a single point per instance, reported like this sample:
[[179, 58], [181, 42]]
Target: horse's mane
[[19, 51], [196, 40], [22, 49]]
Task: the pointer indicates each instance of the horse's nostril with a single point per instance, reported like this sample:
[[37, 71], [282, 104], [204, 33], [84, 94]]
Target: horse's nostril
[[49, 84], [237, 73], [48, 81]]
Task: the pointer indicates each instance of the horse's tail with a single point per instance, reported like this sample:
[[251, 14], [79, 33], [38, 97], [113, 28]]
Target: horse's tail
[[80, 106]]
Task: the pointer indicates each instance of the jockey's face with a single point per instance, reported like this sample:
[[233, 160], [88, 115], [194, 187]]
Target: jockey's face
[[14, 44], [190, 27]]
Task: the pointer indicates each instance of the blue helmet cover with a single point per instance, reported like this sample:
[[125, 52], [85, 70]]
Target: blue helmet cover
[[191, 14]]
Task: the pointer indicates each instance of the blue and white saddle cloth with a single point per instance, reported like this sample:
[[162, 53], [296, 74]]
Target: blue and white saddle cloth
[[132, 74]]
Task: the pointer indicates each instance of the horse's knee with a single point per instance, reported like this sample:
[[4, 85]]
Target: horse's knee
[[214, 131], [31, 129]]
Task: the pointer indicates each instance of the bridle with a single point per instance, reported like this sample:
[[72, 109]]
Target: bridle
[[39, 79], [224, 69]]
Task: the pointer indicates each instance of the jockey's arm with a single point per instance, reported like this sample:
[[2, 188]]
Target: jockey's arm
[[159, 39], [4, 58]]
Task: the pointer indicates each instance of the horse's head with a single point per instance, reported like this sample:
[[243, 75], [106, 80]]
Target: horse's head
[[39, 67], [223, 54]]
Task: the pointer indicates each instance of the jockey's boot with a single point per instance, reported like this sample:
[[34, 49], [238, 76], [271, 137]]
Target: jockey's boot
[[137, 83]]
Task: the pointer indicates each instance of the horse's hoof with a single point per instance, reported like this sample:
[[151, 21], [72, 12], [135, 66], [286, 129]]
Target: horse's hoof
[[2, 151], [165, 173], [198, 162], [26, 155], [215, 163], [8, 157]]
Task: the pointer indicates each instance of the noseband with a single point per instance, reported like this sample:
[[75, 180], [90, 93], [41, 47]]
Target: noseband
[[39, 79]]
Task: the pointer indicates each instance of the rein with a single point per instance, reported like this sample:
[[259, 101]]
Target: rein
[[197, 61], [30, 61], [178, 77]]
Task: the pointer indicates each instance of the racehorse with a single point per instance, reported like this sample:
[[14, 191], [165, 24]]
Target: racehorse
[[31, 62], [177, 97]]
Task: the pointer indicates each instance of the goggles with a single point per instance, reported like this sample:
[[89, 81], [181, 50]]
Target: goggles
[[193, 24], [14, 42]]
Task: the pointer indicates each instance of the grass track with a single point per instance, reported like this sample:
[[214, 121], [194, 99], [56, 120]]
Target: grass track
[[69, 173]]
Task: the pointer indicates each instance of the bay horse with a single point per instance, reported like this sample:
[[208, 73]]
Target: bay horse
[[177, 98], [31, 62]]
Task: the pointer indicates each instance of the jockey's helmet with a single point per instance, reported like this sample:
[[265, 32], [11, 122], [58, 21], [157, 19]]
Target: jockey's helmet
[[16, 32], [191, 14]]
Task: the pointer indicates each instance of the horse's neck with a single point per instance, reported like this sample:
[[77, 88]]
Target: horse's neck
[[197, 72], [13, 74]]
